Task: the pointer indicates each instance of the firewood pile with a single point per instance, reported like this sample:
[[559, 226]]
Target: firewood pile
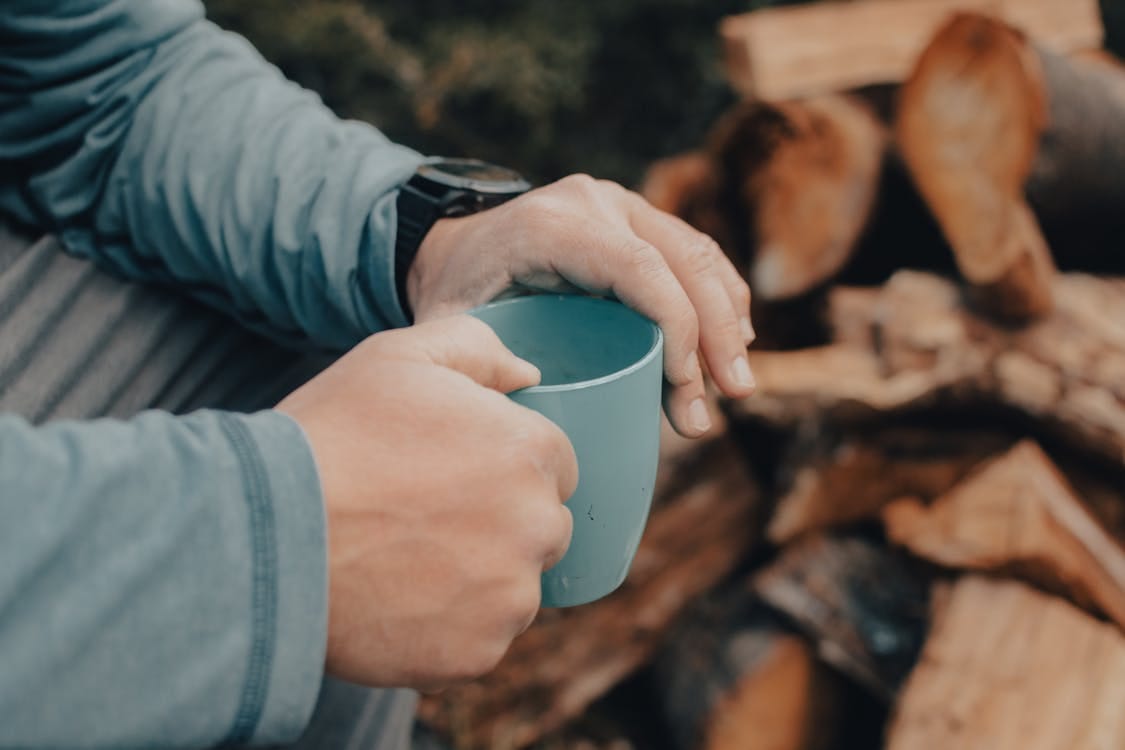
[[911, 535]]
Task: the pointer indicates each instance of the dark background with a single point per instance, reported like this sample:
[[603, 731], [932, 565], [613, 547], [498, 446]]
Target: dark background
[[547, 86]]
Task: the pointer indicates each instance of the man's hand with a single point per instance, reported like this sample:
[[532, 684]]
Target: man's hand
[[444, 502], [594, 235]]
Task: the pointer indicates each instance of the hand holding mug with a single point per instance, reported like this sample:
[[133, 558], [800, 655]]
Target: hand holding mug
[[444, 501], [582, 234]]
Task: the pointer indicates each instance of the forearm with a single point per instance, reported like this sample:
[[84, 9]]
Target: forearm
[[168, 572], [168, 149]]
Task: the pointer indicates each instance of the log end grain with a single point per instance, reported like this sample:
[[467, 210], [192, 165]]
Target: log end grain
[[969, 124], [1006, 666]]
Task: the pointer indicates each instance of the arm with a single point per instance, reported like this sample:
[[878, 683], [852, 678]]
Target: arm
[[155, 574], [167, 149]]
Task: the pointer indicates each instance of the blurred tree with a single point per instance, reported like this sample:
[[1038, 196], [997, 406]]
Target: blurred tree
[[548, 87]]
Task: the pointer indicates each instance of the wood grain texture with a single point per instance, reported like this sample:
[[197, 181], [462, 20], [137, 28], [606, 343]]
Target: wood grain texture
[[734, 676], [864, 606], [1018, 515], [927, 350], [786, 188], [969, 123], [1006, 666], [788, 52], [830, 479]]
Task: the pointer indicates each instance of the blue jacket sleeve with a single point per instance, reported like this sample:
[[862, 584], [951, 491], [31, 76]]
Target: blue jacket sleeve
[[167, 149], [159, 586]]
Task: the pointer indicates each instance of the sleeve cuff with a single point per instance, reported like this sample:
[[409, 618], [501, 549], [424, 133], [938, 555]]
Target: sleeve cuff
[[291, 631], [377, 251]]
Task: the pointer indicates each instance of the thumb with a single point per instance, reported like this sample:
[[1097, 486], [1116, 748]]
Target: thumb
[[467, 345]]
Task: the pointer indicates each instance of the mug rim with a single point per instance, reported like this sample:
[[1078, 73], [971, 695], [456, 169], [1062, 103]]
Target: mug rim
[[657, 341]]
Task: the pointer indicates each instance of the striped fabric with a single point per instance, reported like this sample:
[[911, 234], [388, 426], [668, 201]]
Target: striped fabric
[[77, 343]]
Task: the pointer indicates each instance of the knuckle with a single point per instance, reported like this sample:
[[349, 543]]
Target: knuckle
[[551, 527], [466, 328], [644, 260], [579, 181], [742, 294], [563, 530], [535, 449], [546, 216], [688, 322], [546, 439], [727, 329], [480, 661], [384, 343], [526, 600], [570, 484], [612, 187], [702, 254], [538, 203]]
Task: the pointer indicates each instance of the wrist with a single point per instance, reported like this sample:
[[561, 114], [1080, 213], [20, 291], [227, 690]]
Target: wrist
[[429, 259], [441, 189]]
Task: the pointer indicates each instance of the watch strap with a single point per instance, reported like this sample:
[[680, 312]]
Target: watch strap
[[417, 212], [419, 205]]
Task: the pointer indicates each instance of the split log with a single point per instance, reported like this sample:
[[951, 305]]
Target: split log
[[1066, 372], [788, 52], [733, 677], [864, 606], [785, 188], [1008, 667], [571, 657], [1018, 515], [995, 131], [831, 479]]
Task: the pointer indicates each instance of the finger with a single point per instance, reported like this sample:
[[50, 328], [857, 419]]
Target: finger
[[467, 345], [546, 440], [561, 541], [687, 411], [614, 260], [736, 287], [739, 292], [702, 268]]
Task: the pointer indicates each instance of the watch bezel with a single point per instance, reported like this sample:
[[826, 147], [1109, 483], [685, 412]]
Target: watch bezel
[[432, 170]]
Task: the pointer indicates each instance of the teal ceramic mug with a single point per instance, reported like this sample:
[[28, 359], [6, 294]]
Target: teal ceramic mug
[[602, 368]]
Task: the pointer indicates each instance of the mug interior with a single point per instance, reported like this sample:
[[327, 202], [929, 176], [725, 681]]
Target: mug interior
[[572, 339]]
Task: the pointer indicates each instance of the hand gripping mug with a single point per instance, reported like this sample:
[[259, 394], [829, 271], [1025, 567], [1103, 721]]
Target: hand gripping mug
[[602, 373]]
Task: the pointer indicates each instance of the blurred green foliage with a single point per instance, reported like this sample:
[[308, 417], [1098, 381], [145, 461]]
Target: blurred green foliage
[[546, 86]]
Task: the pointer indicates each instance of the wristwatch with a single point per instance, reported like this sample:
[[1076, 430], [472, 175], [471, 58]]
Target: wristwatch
[[440, 188]]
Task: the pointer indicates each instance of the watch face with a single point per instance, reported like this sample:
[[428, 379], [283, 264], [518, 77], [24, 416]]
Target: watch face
[[473, 174]]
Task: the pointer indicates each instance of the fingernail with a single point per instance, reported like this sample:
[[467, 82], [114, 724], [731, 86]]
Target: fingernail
[[748, 334], [698, 416], [692, 367], [740, 372]]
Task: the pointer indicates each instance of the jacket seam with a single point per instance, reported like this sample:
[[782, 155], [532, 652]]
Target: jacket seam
[[264, 594]]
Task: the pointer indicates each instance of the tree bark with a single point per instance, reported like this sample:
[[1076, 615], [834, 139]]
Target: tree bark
[[1008, 667], [571, 657], [1018, 515], [864, 606], [733, 677]]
